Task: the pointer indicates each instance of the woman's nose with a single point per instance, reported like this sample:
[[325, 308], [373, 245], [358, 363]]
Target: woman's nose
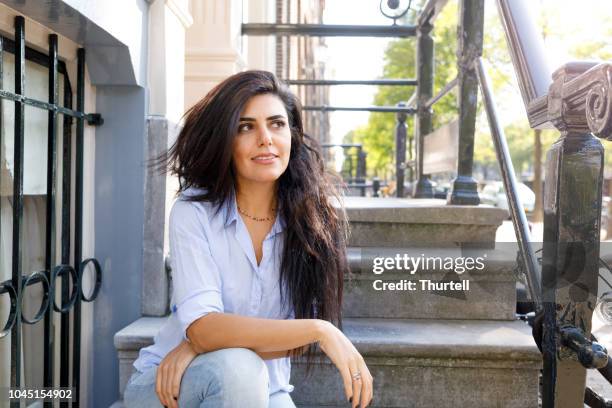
[[265, 137]]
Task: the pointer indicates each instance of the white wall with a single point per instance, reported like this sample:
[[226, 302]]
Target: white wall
[[213, 46], [126, 21], [260, 51]]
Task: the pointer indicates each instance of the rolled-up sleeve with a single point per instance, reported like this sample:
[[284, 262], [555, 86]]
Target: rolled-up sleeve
[[196, 278]]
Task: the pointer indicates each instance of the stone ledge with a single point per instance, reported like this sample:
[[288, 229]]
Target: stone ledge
[[420, 211], [432, 364], [473, 339], [139, 333], [129, 340], [466, 339], [424, 363]]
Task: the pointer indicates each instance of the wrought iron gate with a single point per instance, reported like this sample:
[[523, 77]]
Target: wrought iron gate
[[71, 273]]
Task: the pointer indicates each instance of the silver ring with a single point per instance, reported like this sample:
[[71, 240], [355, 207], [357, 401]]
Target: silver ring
[[357, 376]]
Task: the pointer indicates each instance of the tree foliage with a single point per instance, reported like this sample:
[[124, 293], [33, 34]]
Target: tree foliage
[[378, 135]]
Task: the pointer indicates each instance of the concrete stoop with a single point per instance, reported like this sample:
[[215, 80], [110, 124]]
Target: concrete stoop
[[424, 349], [415, 363], [400, 222], [444, 363]]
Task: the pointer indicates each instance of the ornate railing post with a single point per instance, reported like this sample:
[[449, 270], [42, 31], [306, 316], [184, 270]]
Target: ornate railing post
[[400, 151], [425, 72], [375, 187], [361, 169], [471, 22], [578, 103]]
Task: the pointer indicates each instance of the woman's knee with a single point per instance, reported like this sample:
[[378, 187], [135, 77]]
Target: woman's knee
[[239, 372], [240, 365]]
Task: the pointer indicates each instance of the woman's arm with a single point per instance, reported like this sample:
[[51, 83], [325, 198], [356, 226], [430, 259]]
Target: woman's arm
[[215, 331], [269, 355]]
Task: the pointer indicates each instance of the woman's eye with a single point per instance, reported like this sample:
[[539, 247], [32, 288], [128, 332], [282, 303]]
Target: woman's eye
[[278, 124], [244, 128]]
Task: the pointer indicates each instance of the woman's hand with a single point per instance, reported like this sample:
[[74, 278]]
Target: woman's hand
[[170, 372], [355, 374]]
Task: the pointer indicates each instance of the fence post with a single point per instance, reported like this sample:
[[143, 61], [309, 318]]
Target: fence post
[[400, 151], [471, 22], [361, 169], [425, 72], [572, 222], [376, 187]]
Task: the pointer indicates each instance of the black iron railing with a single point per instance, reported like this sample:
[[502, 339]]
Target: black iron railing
[[353, 166], [517, 211], [71, 276], [575, 99]]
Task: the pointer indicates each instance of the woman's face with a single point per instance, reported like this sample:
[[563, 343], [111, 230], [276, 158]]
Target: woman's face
[[263, 142]]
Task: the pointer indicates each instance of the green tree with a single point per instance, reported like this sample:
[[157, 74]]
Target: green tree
[[377, 135]]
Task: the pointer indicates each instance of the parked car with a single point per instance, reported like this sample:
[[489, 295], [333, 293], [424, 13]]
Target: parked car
[[494, 194]]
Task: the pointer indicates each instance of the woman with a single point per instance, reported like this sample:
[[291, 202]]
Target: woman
[[258, 258]]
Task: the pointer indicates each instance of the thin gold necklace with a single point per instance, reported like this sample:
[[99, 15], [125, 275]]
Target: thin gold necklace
[[255, 218]]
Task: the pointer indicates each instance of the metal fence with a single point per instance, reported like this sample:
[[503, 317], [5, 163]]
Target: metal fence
[[72, 265]]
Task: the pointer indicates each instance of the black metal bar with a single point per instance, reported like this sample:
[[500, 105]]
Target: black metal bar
[[78, 222], [606, 371], [92, 118], [32, 281], [570, 258], [471, 25], [430, 11], [526, 48], [375, 187], [390, 82], [1, 132], [400, 152], [447, 88], [328, 30], [391, 109], [361, 164], [50, 229], [65, 238], [424, 91], [31, 54], [594, 400], [18, 198], [519, 219]]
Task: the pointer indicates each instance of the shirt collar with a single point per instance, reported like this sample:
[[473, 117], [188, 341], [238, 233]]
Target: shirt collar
[[231, 215]]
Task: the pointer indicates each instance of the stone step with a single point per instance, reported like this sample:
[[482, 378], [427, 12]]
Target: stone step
[[128, 342], [488, 290], [400, 222], [420, 363], [415, 363]]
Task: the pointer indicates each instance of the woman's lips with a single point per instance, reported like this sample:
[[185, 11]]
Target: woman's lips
[[264, 159]]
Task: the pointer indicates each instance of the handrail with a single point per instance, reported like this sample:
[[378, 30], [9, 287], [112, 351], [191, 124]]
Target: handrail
[[517, 212], [526, 49], [430, 11]]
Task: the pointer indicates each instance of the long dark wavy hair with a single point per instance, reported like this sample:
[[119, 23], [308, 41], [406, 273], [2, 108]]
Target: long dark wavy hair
[[314, 261]]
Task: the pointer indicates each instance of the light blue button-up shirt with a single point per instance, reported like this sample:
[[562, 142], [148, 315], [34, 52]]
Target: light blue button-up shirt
[[214, 269]]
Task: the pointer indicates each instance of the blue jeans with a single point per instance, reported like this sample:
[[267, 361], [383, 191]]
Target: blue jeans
[[226, 378]]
